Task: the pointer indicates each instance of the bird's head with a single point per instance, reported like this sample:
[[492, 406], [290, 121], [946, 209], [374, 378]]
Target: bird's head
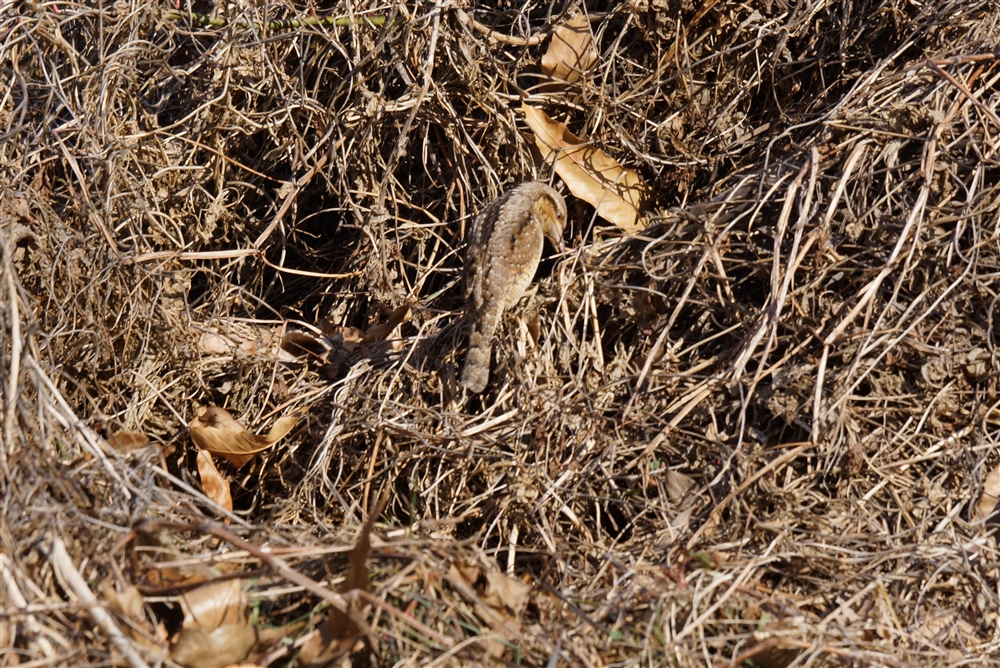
[[550, 211]]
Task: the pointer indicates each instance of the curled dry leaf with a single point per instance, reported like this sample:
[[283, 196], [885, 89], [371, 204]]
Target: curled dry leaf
[[617, 193], [348, 339], [223, 646], [126, 440], [991, 494], [499, 590], [242, 340], [131, 604], [572, 51], [215, 631], [216, 430], [345, 341], [304, 344], [396, 318], [503, 591], [213, 605], [128, 602], [677, 485], [214, 484]]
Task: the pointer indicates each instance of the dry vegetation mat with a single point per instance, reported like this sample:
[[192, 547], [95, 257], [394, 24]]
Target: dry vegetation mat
[[750, 416]]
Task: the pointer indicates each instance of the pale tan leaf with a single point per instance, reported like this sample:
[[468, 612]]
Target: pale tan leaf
[[213, 605], [572, 51], [214, 484], [617, 193], [677, 485], [223, 646], [126, 440], [244, 342], [128, 602], [215, 430], [470, 573], [503, 591], [991, 494], [212, 343], [495, 649], [681, 521], [181, 577], [348, 339]]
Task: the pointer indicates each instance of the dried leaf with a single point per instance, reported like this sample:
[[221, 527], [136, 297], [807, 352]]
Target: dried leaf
[[128, 602], [213, 342], [300, 344], [186, 576], [677, 485], [214, 484], [223, 646], [680, 522], [503, 591], [395, 319], [617, 193], [213, 605], [499, 590], [126, 440], [769, 652], [339, 633], [991, 494], [215, 430], [572, 51], [348, 339], [469, 572]]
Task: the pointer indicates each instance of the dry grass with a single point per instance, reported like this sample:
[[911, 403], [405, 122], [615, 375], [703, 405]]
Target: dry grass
[[755, 431]]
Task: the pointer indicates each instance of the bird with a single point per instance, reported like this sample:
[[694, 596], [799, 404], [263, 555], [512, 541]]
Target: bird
[[504, 246]]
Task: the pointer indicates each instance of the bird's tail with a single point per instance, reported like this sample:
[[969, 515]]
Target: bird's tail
[[476, 372]]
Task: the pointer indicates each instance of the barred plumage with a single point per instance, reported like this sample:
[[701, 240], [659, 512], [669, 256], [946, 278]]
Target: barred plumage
[[505, 245]]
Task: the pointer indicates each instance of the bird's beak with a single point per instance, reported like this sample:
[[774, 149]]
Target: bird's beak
[[561, 245]]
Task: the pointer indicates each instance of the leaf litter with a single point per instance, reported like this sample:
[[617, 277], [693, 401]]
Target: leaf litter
[[216, 431], [572, 51], [617, 193]]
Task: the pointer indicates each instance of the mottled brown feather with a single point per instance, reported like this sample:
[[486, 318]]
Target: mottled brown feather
[[505, 245]]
